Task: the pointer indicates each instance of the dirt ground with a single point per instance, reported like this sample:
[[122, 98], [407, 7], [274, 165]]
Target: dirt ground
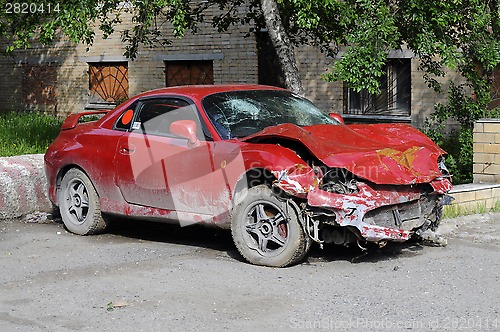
[[143, 276]]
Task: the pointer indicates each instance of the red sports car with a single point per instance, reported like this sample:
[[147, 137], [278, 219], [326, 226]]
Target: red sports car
[[259, 160]]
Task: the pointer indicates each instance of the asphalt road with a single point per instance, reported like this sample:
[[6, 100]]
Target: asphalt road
[[154, 277]]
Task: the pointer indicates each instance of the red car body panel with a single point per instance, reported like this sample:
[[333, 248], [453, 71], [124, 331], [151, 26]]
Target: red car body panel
[[385, 153], [128, 169]]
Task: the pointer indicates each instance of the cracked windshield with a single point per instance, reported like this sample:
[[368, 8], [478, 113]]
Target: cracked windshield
[[243, 113]]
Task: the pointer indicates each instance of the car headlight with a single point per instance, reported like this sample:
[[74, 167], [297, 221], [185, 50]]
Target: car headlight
[[442, 166]]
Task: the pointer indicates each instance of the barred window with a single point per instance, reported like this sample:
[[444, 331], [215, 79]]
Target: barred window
[[189, 72], [394, 99], [108, 82]]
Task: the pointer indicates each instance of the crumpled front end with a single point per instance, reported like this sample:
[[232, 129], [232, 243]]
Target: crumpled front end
[[342, 208], [384, 213]]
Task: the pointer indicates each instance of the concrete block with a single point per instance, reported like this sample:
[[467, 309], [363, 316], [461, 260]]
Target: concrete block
[[495, 193], [481, 158], [484, 137], [478, 128], [458, 198], [468, 196], [470, 206], [479, 168], [478, 147], [491, 127], [483, 194], [484, 178], [23, 186], [491, 148], [493, 169], [490, 203]]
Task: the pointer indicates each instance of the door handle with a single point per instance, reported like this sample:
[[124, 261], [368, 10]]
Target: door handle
[[127, 149]]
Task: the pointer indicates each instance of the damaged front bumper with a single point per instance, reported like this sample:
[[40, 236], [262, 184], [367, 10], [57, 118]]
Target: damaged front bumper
[[378, 213]]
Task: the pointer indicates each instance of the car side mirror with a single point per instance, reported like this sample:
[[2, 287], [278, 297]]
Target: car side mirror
[[337, 116], [186, 129]]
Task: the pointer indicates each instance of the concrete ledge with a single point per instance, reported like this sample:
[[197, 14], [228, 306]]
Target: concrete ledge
[[472, 198], [23, 186]]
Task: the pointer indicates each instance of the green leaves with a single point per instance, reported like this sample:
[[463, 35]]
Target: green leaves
[[369, 33], [457, 34]]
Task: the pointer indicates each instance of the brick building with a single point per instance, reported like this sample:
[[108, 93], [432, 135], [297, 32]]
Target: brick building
[[66, 78]]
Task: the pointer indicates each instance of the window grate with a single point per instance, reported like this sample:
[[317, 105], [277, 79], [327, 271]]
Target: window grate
[[108, 82], [395, 96], [189, 72]]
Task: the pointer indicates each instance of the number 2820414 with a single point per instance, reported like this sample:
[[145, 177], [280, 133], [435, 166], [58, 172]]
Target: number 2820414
[[31, 8]]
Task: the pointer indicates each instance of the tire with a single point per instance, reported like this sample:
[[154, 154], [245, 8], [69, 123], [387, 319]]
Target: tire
[[264, 233], [79, 204]]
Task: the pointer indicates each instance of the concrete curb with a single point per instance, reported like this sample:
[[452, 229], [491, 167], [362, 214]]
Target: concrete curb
[[23, 186]]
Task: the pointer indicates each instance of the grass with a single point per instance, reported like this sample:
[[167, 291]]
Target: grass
[[27, 132], [496, 207], [455, 210]]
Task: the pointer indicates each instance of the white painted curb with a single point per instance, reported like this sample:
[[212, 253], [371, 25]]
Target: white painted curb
[[23, 186]]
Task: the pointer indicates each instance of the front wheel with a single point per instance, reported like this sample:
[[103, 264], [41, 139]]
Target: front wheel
[[266, 230], [79, 204]]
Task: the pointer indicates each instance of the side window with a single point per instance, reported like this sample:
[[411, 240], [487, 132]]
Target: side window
[[156, 115], [124, 122]]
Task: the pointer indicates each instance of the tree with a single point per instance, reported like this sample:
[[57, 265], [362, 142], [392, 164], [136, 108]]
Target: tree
[[458, 34], [282, 45], [463, 35]]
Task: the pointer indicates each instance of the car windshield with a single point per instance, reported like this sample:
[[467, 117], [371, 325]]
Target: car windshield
[[243, 113]]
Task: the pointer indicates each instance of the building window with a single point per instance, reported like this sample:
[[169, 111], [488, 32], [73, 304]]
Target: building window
[[39, 85], [394, 99], [108, 82], [189, 72]]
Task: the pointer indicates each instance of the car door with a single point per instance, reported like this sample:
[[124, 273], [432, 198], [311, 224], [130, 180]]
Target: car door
[[159, 169]]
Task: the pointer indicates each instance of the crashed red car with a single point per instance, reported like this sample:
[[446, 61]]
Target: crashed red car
[[260, 160]]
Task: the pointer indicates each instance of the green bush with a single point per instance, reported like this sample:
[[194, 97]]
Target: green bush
[[458, 143], [27, 132]]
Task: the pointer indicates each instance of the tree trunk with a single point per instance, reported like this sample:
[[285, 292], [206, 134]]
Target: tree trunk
[[494, 21], [282, 45]]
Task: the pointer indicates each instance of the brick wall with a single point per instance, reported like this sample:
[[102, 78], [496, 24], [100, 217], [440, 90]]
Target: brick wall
[[329, 96], [423, 98], [312, 63], [487, 151], [234, 61]]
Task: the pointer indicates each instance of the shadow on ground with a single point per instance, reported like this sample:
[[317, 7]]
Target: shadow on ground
[[220, 240], [356, 254]]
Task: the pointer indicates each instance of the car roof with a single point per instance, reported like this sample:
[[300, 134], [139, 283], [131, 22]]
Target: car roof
[[200, 91]]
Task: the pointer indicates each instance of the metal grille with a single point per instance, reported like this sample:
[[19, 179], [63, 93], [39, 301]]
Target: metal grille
[[108, 82], [189, 72], [406, 216], [395, 96]]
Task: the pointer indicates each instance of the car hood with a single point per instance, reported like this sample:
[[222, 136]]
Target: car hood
[[381, 153]]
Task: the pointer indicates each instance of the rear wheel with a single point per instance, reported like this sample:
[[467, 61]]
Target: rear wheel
[[266, 230], [79, 204]]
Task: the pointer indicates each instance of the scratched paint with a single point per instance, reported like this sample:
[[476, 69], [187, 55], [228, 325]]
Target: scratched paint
[[166, 178]]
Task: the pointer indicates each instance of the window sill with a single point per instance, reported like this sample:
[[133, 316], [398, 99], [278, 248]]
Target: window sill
[[100, 106], [376, 118]]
